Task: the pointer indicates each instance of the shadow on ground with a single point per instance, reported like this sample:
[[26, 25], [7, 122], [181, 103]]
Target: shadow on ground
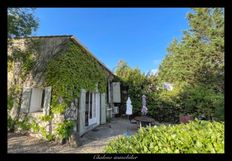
[[93, 141]]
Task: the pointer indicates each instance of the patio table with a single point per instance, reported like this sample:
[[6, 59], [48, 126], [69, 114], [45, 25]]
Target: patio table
[[144, 120]]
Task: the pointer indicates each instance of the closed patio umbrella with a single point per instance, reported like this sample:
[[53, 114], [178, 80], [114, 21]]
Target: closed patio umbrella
[[128, 107], [144, 108], [128, 111]]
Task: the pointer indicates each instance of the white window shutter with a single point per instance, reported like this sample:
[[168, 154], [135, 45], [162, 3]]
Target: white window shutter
[[98, 107], [116, 92], [109, 92], [103, 108], [26, 99], [47, 100], [82, 112]]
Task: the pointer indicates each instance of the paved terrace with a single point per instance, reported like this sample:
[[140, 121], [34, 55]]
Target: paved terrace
[[93, 141]]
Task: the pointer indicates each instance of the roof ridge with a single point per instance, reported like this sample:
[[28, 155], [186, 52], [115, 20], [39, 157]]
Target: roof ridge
[[47, 36]]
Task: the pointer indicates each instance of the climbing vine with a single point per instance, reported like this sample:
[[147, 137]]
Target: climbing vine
[[21, 59], [27, 124], [70, 71], [63, 129]]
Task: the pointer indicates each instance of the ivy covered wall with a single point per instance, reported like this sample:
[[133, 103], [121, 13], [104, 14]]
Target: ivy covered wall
[[66, 66], [69, 72]]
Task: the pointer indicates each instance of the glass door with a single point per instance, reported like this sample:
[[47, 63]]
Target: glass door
[[92, 109]]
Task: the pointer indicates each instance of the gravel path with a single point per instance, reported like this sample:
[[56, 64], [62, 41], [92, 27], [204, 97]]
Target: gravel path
[[92, 142]]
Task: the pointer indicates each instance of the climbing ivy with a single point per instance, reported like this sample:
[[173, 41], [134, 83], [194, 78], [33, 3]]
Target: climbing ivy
[[63, 129], [23, 124], [21, 60], [70, 71], [27, 125], [58, 108], [46, 118]]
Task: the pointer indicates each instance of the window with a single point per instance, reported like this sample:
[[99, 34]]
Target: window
[[87, 109], [36, 100], [42, 101]]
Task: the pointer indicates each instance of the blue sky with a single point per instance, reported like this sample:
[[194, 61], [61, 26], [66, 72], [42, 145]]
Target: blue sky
[[139, 36]]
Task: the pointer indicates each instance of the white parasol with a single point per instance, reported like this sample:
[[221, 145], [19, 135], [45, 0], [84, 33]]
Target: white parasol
[[128, 107], [128, 112], [144, 108]]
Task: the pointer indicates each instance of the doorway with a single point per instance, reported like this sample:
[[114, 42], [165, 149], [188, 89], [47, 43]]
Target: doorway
[[91, 108]]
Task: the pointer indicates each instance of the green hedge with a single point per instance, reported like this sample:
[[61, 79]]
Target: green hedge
[[194, 137], [166, 106]]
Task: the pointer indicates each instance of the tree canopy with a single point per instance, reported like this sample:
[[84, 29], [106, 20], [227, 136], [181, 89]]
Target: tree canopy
[[199, 57], [195, 64], [195, 67], [21, 22]]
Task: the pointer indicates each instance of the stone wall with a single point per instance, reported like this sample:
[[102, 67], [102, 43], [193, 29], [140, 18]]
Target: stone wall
[[51, 125], [47, 49]]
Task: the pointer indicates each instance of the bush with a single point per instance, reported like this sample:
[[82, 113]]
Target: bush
[[10, 124], [24, 124], [194, 137], [195, 100], [204, 101], [165, 106], [64, 129]]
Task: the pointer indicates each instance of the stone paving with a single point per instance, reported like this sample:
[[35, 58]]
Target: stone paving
[[93, 141]]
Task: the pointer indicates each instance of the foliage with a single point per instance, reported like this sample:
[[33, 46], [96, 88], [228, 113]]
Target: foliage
[[46, 118], [203, 101], [35, 126], [10, 102], [64, 129], [21, 22], [10, 123], [194, 137], [21, 63], [23, 124], [199, 56], [45, 134], [135, 80], [195, 65], [65, 73], [58, 108]]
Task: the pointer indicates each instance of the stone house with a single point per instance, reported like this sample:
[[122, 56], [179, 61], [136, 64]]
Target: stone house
[[87, 107]]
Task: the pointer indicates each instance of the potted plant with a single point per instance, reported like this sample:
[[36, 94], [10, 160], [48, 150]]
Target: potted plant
[[185, 118]]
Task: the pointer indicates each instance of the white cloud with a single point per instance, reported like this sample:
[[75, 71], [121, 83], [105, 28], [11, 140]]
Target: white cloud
[[153, 72]]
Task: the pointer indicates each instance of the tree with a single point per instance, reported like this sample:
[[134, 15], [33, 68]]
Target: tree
[[21, 22], [199, 56], [136, 82], [198, 59]]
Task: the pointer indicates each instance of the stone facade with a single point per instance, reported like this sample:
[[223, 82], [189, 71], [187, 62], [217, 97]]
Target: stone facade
[[48, 47]]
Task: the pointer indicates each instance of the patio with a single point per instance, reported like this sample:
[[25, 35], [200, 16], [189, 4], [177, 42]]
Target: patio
[[93, 141]]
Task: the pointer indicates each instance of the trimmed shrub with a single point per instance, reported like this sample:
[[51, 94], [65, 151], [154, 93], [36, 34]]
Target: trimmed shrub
[[194, 137], [204, 101]]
